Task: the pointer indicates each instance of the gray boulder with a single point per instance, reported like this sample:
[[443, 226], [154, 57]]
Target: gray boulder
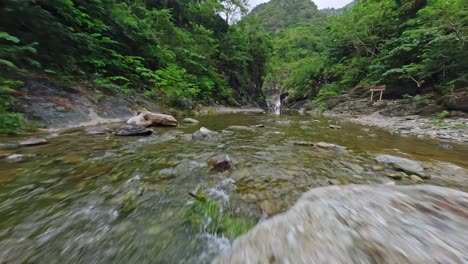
[[362, 224]]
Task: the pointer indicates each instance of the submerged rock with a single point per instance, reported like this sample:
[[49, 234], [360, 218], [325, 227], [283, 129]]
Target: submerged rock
[[33, 142], [241, 128], [204, 133], [258, 126], [325, 145], [96, 131], [8, 145], [304, 143], [362, 224], [334, 127], [220, 163], [129, 130], [406, 165], [190, 121]]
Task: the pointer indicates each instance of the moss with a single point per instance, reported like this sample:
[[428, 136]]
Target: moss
[[205, 215]]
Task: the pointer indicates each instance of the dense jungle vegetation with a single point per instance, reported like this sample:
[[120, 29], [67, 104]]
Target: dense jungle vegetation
[[195, 49], [163, 49], [411, 46]]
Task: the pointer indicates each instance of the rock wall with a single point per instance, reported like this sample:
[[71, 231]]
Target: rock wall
[[62, 106]]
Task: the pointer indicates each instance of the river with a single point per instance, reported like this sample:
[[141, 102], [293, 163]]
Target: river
[[106, 199]]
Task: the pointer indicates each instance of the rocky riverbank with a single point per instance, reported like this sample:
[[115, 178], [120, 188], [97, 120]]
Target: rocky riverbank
[[403, 116]]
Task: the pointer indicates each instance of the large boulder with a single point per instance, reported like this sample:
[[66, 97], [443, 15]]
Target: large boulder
[[129, 130], [147, 119], [457, 102], [362, 224], [406, 165]]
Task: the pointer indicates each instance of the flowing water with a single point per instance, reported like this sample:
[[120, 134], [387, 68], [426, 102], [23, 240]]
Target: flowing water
[[106, 199]]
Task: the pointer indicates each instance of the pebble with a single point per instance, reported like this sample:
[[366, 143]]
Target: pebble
[[334, 127]]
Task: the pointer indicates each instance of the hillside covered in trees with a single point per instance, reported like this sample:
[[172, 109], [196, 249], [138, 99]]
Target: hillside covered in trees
[[162, 49], [167, 50], [409, 46]]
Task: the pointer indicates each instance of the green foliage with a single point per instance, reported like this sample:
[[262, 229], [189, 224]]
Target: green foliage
[[164, 49], [323, 107], [418, 99], [278, 15], [206, 215], [409, 46], [442, 115]]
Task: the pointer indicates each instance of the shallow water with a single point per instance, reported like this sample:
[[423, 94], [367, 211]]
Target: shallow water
[[106, 199]]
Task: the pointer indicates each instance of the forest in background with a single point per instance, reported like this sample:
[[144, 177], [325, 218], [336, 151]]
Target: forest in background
[[411, 46], [195, 49]]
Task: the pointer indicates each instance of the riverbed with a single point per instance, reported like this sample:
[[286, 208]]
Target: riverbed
[[106, 199]]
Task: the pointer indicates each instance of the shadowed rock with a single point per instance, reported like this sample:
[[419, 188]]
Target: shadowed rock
[[220, 163], [362, 224], [128, 130]]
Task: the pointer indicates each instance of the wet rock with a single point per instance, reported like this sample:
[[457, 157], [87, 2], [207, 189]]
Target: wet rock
[[96, 131], [15, 158], [33, 142], [147, 119], [258, 126], [416, 179], [445, 146], [325, 145], [334, 127], [8, 145], [269, 207], [129, 130], [204, 133], [406, 165], [304, 143], [282, 122], [53, 135], [362, 224], [394, 175], [241, 128], [220, 163], [190, 121]]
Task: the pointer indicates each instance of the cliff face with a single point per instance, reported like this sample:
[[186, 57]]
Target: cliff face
[[61, 106]]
